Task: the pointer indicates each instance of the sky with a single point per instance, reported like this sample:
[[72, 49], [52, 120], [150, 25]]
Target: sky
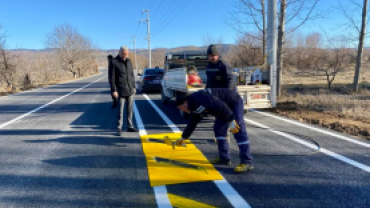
[[111, 24]]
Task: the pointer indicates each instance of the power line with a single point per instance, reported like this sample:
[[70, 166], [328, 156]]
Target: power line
[[155, 12], [173, 16], [152, 2], [177, 14], [169, 9]]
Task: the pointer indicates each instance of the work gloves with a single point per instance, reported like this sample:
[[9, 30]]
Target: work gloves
[[234, 127], [180, 142]]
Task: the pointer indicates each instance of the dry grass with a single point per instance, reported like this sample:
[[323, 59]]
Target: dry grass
[[356, 106], [307, 99]]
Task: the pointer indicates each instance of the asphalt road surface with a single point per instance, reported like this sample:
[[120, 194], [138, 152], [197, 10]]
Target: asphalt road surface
[[58, 149]]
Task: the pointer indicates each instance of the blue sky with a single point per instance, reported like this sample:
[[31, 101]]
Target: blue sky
[[111, 23]]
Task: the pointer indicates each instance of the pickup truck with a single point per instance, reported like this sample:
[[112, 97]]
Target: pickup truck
[[175, 80]]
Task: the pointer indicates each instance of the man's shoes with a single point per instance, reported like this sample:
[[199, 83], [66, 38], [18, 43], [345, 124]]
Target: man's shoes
[[243, 168], [132, 130], [217, 161], [119, 132]]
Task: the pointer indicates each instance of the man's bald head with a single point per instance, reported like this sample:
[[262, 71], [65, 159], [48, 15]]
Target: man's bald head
[[123, 52]]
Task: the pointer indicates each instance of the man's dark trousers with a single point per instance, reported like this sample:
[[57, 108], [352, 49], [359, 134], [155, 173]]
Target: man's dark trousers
[[221, 128], [129, 102]]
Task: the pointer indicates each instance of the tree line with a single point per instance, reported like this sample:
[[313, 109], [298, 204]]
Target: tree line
[[249, 19], [70, 55]]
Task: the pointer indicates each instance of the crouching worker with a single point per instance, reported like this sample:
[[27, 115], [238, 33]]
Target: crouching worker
[[227, 106]]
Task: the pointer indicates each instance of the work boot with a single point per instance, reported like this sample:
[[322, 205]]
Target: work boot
[[243, 168], [132, 129], [217, 161], [119, 132]]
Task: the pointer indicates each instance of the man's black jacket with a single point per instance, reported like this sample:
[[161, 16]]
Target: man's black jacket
[[123, 79], [220, 75], [217, 102]]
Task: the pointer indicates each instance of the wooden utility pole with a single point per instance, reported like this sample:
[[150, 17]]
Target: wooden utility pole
[[360, 47]]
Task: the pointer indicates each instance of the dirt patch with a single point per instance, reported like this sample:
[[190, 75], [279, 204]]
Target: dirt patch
[[341, 123]]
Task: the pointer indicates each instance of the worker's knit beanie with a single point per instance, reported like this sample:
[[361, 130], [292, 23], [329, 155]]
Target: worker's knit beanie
[[212, 50]]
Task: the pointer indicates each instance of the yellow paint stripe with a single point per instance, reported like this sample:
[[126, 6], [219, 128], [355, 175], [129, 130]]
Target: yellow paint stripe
[[181, 202], [182, 165]]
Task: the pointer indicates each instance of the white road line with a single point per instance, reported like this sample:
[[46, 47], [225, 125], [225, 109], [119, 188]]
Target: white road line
[[312, 146], [47, 104], [233, 196], [49, 86], [163, 116], [316, 129], [160, 192]]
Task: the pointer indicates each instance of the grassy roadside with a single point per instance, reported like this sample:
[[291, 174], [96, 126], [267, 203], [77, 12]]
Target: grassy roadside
[[337, 109]]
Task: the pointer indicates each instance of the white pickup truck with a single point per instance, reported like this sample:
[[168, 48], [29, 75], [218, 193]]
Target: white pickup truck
[[175, 81]]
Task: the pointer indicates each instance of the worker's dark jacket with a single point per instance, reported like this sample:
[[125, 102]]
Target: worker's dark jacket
[[110, 69], [220, 75], [122, 80], [216, 101]]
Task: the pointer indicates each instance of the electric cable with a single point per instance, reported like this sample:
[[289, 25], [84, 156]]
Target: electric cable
[[173, 15], [156, 11], [169, 9]]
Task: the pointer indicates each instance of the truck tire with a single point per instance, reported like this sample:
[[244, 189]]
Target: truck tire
[[165, 99], [180, 95], [245, 111]]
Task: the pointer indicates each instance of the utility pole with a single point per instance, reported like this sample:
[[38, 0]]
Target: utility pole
[[271, 46], [147, 20], [254, 55], [134, 41], [360, 47]]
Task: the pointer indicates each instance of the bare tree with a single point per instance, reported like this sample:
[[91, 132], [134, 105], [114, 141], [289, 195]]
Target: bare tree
[[74, 50], [245, 53], [255, 11], [292, 12], [7, 66], [301, 10], [321, 61], [209, 39], [351, 13]]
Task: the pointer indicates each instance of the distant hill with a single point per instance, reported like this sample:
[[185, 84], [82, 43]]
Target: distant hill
[[224, 48], [33, 50]]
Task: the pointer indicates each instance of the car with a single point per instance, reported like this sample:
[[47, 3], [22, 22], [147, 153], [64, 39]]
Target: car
[[151, 79]]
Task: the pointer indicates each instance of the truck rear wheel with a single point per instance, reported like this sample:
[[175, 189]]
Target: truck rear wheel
[[180, 95], [165, 99]]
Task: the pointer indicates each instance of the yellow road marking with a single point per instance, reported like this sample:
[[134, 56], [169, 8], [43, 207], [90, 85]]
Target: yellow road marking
[[182, 165], [181, 202]]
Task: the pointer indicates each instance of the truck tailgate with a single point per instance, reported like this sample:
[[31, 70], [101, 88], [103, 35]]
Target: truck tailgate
[[255, 96]]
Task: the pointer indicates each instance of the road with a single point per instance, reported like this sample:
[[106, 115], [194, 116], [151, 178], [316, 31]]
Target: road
[[59, 149]]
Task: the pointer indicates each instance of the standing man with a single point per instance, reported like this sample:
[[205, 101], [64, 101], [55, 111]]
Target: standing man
[[219, 72], [123, 87], [227, 106], [110, 57]]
